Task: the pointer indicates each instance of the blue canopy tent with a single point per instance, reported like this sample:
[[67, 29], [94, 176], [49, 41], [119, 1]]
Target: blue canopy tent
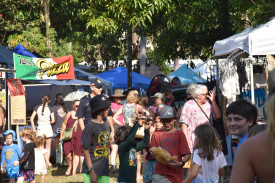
[[21, 50], [118, 77], [187, 75], [6, 57]]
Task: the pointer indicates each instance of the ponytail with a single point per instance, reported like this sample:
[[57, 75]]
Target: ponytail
[[59, 100], [45, 99]]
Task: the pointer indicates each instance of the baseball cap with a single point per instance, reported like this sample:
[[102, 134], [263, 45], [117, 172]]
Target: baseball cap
[[99, 102], [11, 132], [159, 95], [97, 82], [166, 112]]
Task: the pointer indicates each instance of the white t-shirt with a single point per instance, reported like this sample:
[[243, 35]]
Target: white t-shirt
[[40, 162], [209, 170], [46, 117]]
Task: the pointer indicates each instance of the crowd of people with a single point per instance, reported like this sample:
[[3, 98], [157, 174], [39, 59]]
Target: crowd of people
[[126, 125]]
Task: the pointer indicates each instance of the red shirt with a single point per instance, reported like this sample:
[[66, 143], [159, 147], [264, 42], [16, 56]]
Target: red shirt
[[176, 144]]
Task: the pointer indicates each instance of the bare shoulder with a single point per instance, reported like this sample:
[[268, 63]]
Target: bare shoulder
[[259, 140]]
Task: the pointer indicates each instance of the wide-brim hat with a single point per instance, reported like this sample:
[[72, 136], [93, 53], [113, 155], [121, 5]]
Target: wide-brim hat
[[118, 93], [99, 102], [11, 132]]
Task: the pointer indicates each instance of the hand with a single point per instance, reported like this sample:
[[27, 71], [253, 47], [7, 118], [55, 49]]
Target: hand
[[151, 152], [2, 169], [49, 164], [93, 177], [112, 135], [175, 164], [15, 163], [148, 125], [34, 129], [60, 138], [211, 95], [52, 122], [152, 129]]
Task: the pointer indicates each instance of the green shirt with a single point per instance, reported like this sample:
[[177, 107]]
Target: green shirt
[[127, 155]]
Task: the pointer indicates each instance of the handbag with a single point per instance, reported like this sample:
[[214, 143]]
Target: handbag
[[140, 131], [68, 133]]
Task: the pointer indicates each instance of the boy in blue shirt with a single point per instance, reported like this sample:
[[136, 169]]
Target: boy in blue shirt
[[241, 115], [10, 154]]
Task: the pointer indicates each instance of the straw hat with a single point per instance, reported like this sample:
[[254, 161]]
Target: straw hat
[[118, 93]]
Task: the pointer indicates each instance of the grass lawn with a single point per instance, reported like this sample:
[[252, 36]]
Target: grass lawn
[[57, 175]]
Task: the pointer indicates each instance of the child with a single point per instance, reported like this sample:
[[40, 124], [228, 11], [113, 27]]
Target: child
[[95, 140], [26, 168], [173, 141], [128, 148], [41, 160], [151, 163], [10, 155], [208, 158], [241, 115]]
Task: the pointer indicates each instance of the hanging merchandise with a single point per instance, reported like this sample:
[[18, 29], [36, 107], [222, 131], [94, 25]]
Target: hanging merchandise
[[229, 82]]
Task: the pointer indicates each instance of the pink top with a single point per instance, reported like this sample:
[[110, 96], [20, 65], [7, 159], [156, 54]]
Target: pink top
[[192, 116], [115, 107]]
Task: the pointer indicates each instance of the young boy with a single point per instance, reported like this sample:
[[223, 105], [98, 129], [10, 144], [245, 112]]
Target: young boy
[[10, 154], [173, 141], [241, 115], [95, 140]]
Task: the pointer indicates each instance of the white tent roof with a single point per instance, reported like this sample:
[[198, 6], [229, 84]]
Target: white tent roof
[[257, 41]]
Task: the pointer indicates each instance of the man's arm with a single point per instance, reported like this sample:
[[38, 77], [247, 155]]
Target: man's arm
[[89, 164], [111, 125], [81, 123]]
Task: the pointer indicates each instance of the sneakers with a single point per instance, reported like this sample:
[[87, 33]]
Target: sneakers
[[114, 169]]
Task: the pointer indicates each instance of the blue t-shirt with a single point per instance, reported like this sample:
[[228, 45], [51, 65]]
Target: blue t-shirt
[[240, 142], [10, 154]]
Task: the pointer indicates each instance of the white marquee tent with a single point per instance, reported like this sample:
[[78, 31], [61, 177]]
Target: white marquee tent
[[254, 41]]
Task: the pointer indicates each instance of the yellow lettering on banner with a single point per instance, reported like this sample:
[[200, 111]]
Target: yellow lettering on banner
[[53, 69]]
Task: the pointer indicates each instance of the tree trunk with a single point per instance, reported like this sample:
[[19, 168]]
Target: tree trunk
[[142, 54], [129, 59], [48, 25], [176, 63]]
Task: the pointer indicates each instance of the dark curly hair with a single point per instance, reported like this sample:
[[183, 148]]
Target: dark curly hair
[[121, 134]]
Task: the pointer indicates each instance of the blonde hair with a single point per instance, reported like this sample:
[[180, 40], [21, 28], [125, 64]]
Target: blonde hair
[[39, 141], [132, 97], [29, 133]]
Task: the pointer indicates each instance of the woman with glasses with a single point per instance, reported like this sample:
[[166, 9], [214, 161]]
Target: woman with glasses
[[201, 109], [72, 148]]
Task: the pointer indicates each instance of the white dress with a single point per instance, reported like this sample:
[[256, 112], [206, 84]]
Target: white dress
[[40, 162]]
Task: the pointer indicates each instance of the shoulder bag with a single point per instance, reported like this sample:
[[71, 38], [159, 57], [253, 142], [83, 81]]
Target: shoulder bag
[[68, 133]]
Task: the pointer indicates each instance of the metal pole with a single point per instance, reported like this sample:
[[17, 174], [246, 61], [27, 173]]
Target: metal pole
[[142, 54], [251, 59]]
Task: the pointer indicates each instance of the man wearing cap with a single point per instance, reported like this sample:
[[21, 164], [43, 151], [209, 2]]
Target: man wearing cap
[[173, 141], [84, 111], [10, 155], [158, 99]]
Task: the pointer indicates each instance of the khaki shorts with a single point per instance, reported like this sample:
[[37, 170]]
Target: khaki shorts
[[44, 131]]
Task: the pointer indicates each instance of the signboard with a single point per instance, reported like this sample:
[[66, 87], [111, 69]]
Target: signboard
[[29, 68], [3, 99], [18, 110], [16, 87]]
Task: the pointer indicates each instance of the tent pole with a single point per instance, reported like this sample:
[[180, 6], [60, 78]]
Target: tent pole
[[252, 79]]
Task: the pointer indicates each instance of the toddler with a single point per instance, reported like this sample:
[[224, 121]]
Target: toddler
[[10, 155], [41, 160]]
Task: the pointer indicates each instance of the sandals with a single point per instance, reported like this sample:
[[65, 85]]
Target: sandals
[[68, 173]]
